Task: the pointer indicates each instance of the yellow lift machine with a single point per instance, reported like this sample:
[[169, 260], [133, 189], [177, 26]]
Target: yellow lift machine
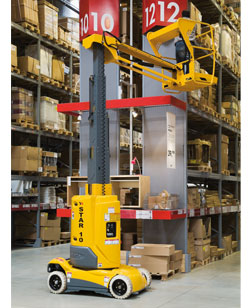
[[94, 263]]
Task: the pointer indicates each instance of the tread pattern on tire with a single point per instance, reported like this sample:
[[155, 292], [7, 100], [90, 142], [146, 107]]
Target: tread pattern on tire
[[63, 279], [128, 283]]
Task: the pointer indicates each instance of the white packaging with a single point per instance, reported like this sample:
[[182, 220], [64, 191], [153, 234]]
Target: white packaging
[[226, 43], [46, 55], [48, 112]]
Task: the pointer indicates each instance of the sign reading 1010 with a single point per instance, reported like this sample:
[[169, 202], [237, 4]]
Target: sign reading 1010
[[98, 16], [161, 13]]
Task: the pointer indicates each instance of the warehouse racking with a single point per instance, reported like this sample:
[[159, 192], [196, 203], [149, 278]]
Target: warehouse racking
[[197, 121], [32, 135]]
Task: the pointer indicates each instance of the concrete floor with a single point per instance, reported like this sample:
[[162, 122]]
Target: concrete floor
[[215, 285]]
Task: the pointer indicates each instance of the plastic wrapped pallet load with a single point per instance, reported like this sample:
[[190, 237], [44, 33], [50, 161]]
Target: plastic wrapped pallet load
[[226, 44], [48, 194], [48, 113], [46, 55], [22, 104]]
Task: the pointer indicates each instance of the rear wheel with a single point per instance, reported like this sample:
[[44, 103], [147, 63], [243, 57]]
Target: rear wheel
[[120, 287], [147, 275], [57, 282]]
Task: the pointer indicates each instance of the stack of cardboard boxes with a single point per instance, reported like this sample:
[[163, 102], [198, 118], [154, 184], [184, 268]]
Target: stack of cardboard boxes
[[13, 55], [191, 250], [212, 198], [48, 19], [71, 28], [46, 55], [49, 117], [194, 200], [128, 239], [49, 227], [25, 158], [64, 36], [214, 153], [75, 81], [158, 259], [24, 11], [227, 243], [50, 161], [201, 228], [230, 109], [22, 105]]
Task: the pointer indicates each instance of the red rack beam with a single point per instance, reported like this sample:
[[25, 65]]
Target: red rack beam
[[73, 108]]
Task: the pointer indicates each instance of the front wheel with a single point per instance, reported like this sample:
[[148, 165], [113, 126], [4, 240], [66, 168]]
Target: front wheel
[[57, 282], [120, 287], [147, 275]]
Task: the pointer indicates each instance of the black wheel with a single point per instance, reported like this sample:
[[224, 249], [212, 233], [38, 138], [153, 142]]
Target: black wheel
[[120, 287], [57, 282]]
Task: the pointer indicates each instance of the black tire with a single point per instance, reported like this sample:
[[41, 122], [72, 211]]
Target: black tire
[[147, 275], [120, 287], [57, 282]]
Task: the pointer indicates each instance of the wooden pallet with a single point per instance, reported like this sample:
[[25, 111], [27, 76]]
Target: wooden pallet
[[224, 118], [15, 69], [26, 124], [64, 132], [217, 55], [164, 277], [225, 172], [201, 107], [204, 262], [64, 241], [63, 44], [75, 51], [50, 174], [225, 61], [47, 129], [228, 253], [45, 79], [194, 264], [24, 173], [29, 26], [29, 75], [124, 144], [209, 110], [47, 36], [214, 258], [56, 83], [192, 101], [201, 168]]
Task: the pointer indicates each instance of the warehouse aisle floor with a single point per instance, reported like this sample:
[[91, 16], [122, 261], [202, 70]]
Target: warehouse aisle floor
[[215, 285]]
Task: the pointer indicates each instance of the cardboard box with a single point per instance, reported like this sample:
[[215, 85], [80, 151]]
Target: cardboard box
[[201, 242], [234, 244], [49, 220], [174, 265], [154, 264], [201, 227], [124, 255], [58, 70], [176, 256], [24, 158], [202, 252], [195, 14], [13, 55], [193, 198], [24, 11], [227, 242], [65, 235], [153, 249], [46, 55], [29, 65], [213, 251], [46, 233]]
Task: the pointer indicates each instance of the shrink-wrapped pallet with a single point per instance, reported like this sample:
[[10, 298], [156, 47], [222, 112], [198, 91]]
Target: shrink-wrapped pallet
[[46, 55], [48, 113], [217, 33], [48, 19], [226, 43]]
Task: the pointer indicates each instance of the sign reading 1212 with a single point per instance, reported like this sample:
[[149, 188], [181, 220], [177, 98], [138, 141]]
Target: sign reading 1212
[[161, 13], [99, 16]]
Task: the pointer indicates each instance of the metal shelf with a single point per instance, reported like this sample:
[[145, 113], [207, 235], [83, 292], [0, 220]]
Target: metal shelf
[[37, 178], [213, 211], [43, 40], [34, 206], [43, 133], [212, 176]]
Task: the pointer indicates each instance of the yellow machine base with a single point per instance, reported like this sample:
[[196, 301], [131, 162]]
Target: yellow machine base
[[119, 282]]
